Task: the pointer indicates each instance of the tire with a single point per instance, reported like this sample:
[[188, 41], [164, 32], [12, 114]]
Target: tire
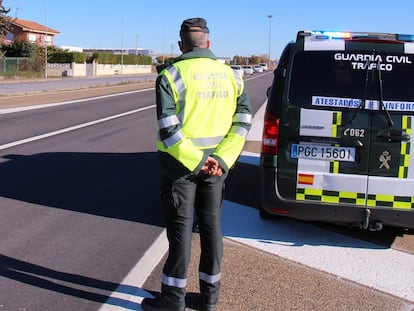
[[265, 215]]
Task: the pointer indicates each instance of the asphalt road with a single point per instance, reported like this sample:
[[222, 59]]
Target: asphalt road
[[79, 210], [78, 207], [79, 192]]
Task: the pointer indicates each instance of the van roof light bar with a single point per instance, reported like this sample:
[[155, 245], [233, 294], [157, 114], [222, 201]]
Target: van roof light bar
[[349, 35]]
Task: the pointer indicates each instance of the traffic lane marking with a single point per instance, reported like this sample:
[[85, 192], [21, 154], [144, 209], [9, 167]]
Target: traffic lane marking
[[61, 103], [381, 268], [72, 128], [131, 299]]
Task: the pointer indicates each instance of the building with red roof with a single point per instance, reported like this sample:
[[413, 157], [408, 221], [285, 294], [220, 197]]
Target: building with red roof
[[32, 32]]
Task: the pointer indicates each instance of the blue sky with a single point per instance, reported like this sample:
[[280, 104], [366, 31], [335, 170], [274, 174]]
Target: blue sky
[[236, 27]]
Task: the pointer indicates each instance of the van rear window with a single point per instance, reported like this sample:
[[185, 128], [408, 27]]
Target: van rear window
[[351, 75]]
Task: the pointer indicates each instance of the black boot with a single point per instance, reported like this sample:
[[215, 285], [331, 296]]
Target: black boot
[[159, 304]]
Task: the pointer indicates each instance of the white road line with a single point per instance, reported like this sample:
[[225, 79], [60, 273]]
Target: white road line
[[32, 107], [136, 278], [72, 128], [255, 133]]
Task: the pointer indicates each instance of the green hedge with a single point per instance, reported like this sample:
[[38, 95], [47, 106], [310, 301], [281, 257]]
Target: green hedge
[[109, 58], [67, 57], [100, 57]]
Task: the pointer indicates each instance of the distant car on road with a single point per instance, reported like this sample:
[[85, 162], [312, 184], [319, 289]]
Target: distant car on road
[[238, 68], [264, 66], [248, 70], [258, 68]]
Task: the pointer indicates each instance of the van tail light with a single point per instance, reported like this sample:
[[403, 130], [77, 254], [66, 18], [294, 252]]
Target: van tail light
[[270, 139]]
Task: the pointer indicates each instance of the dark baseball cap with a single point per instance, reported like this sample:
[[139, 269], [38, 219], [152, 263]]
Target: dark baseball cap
[[197, 24]]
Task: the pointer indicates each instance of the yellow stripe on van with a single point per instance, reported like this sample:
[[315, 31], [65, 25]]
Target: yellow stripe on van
[[326, 196], [392, 201], [405, 148], [336, 123], [334, 167]]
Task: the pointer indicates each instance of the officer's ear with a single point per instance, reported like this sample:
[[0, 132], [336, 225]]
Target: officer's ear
[[184, 48], [208, 44]]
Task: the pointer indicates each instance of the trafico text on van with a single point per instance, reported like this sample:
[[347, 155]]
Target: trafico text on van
[[373, 62]]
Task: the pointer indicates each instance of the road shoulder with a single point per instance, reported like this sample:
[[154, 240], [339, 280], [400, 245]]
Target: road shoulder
[[257, 280]]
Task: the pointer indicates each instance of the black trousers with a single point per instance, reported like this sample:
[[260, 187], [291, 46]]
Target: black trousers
[[180, 198]]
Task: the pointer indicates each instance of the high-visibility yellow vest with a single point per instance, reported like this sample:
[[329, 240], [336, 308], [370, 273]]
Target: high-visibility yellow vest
[[205, 94]]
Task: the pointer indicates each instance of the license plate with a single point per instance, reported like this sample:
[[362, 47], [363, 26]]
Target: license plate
[[322, 152]]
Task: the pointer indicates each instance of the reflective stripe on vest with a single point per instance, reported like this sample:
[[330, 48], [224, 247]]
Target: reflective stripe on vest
[[180, 86], [168, 121], [175, 282], [173, 139], [178, 81], [198, 142], [242, 117], [174, 120], [210, 279], [239, 82], [207, 141], [239, 130]]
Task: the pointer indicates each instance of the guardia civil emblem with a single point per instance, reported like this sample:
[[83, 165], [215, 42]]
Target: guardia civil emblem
[[384, 158]]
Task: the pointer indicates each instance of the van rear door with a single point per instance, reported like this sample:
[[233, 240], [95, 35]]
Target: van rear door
[[391, 176], [345, 129], [316, 161]]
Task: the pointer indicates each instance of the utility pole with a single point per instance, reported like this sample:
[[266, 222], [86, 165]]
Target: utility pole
[[136, 47], [122, 46], [17, 8], [270, 33], [136, 44], [46, 42]]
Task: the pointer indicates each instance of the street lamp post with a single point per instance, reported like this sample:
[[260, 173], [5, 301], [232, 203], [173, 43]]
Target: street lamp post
[[136, 47], [270, 33], [122, 46], [46, 40]]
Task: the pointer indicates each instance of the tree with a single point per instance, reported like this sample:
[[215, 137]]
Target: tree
[[20, 48], [34, 54], [5, 21]]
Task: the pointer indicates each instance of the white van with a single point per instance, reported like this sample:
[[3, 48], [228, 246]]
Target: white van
[[239, 69], [264, 66]]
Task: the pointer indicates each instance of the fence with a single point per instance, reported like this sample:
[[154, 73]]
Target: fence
[[12, 64]]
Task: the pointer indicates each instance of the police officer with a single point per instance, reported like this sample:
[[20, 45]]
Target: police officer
[[204, 115]]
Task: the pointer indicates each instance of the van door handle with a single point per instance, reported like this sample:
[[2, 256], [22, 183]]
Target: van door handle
[[350, 142], [393, 136]]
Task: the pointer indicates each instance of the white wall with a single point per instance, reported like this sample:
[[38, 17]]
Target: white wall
[[80, 70]]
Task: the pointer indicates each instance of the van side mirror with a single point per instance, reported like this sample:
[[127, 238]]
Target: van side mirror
[[268, 91]]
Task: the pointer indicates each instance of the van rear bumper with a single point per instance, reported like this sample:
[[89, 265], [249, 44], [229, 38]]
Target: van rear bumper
[[272, 203]]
